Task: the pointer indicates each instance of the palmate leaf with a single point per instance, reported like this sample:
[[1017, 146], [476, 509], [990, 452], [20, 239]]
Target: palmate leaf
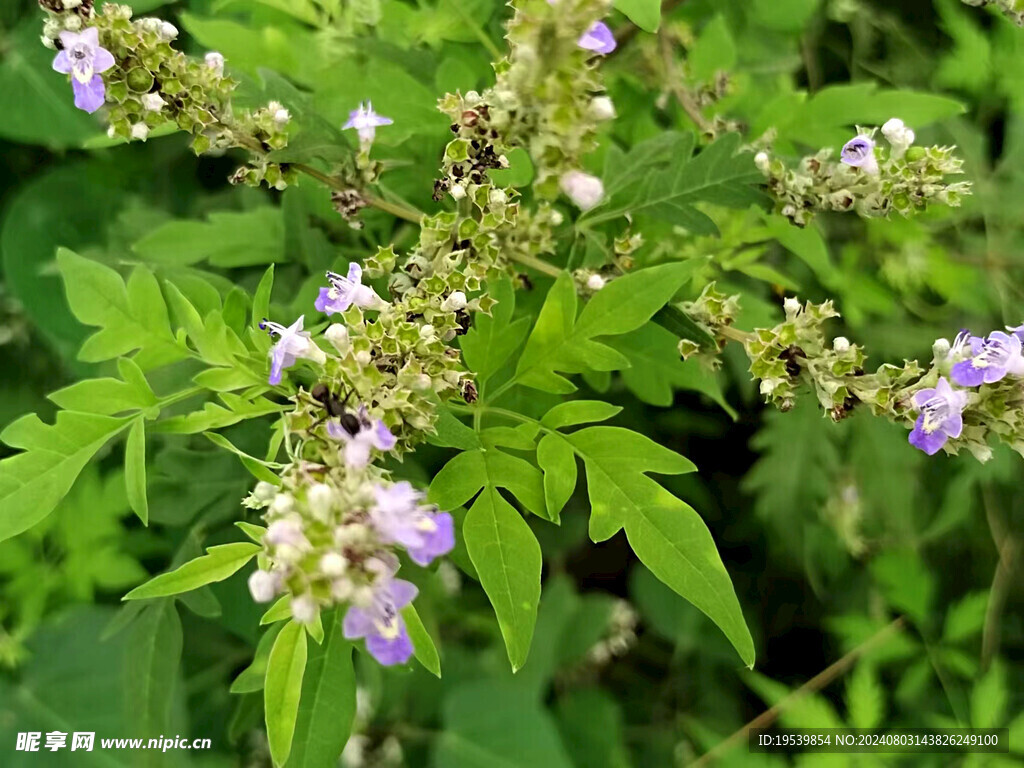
[[130, 316], [503, 549], [661, 178], [34, 481], [561, 342], [666, 533]]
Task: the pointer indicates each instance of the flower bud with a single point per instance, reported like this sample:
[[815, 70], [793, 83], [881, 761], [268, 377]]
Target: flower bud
[[458, 192], [941, 348], [595, 282], [557, 218], [341, 589], [287, 532], [841, 344], [426, 332], [215, 61], [337, 335], [584, 190], [455, 302], [791, 305], [152, 102], [303, 609], [498, 197], [602, 108], [140, 131], [264, 491], [320, 498], [364, 358], [763, 162], [168, 31], [263, 586], [282, 504], [333, 564]]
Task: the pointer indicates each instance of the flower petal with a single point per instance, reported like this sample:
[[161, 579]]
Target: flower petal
[[103, 60], [62, 63], [357, 623], [90, 96], [398, 650]]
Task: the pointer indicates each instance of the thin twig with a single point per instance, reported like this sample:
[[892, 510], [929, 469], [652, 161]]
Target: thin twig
[[1008, 547], [539, 264], [685, 98], [395, 209], [816, 683]]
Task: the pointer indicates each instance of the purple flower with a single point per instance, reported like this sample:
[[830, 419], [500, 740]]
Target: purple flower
[[991, 360], [83, 58], [360, 434], [399, 519], [860, 153], [346, 291], [1018, 332], [292, 343], [940, 416], [366, 122], [598, 39], [380, 623]]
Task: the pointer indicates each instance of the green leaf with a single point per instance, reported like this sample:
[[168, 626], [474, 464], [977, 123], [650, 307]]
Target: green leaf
[[217, 564], [713, 52], [494, 339], [828, 117], [562, 343], [965, 618], [489, 724], [573, 412], [656, 370], [489, 469], [989, 697], [558, 460], [590, 721], [646, 14], [34, 481], [131, 317], [153, 661], [261, 470], [865, 697], [253, 677], [327, 706], [225, 239], [107, 396], [283, 689], [719, 174], [422, 644], [452, 433], [261, 298], [666, 533], [507, 558], [906, 582], [135, 470]]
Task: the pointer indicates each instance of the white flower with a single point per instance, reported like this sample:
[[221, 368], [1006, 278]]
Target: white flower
[[263, 586], [264, 491], [333, 564], [285, 532], [153, 102], [215, 61], [498, 197], [168, 31], [366, 121], [455, 302], [762, 161], [899, 136], [282, 504], [595, 282], [582, 188], [458, 192], [140, 131], [602, 108], [337, 335], [320, 498], [791, 305], [303, 609], [841, 344]]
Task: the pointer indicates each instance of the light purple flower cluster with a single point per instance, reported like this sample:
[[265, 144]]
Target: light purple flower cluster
[[940, 416], [859, 152], [365, 122], [387, 638], [400, 519], [359, 433], [598, 38], [344, 291], [84, 59], [991, 358], [292, 343]]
